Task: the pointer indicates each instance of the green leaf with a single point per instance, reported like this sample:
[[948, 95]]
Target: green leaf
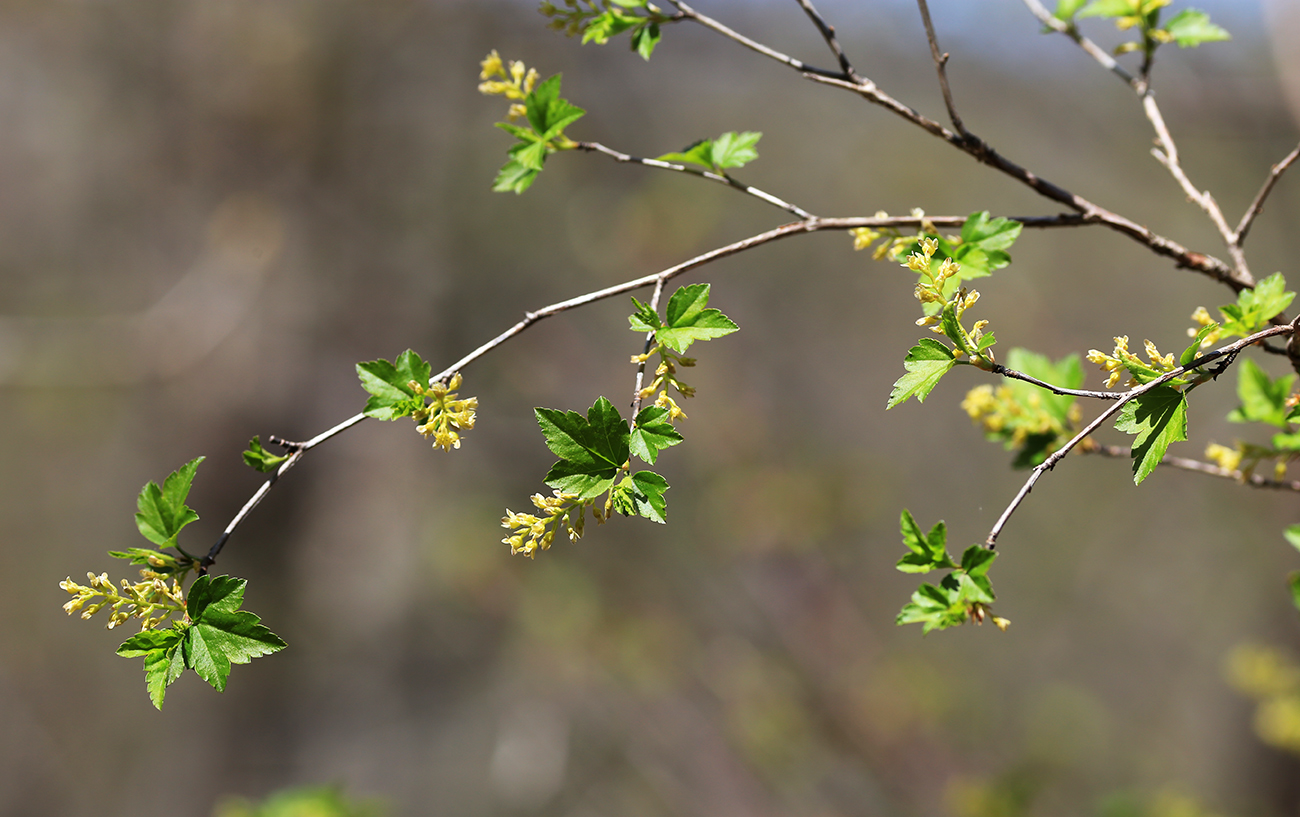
[[1263, 400], [1292, 535], [1287, 441], [645, 38], [391, 395], [1066, 9], [928, 550], [163, 511], [608, 24], [1294, 581], [951, 327], [1191, 27], [1256, 306], [1109, 8], [989, 234], [934, 608], [644, 319], [925, 363], [163, 659], [696, 153], [977, 560], [648, 497], [548, 112], [514, 178], [1193, 349], [689, 320], [1158, 417], [220, 633], [259, 458], [591, 449], [652, 433], [733, 149]]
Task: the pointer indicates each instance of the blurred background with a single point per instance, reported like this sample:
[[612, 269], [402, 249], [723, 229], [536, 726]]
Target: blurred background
[[209, 212]]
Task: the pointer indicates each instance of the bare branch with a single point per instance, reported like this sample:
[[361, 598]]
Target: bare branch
[[828, 34], [1056, 456], [706, 174], [708, 22], [1185, 464], [1248, 218], [1092, 213], [998, 368], [940, 64]]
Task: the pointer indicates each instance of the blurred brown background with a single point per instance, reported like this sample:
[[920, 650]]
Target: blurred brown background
[[210, 211]]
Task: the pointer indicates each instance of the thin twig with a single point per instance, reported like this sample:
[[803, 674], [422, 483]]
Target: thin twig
[[1248, 218], [1091, 213], [1095, 51], [649, 343], [998, 368], [828, 34], [1213, 470], [722, 178], [1056, 456], [708, 22], [941, 65]]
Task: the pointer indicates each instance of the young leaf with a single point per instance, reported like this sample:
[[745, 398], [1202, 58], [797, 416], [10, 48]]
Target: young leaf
[[689, 320], [648, 496], [644, 319], [1191, 27], [163, 658], [220, 633], [391, 395], [1158, 417], [548, 112], [1292, 535], [925, 363], [977, 560], [1294, 581], [934, 608], [1194, 348], [928, 549], [651, 433], [591, 449], [1263, 400], [1066, 9], [163, 511], [260, 459], [696, 153], [159, 561], [645, 38], [733, 149]]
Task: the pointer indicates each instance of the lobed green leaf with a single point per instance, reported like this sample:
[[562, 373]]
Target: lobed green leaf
[[1158, 417], [258, 458], [162, 510], [391, 395], [926, 363]]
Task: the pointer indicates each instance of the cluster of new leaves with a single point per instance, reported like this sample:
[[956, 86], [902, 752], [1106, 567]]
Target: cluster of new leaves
[[963, 595], [1252, 312], [545, 111], [398, 390], [942, 263], [1189, 27], [1272, 403], [595, 451], [211, 632], [1025, 416], [731, 149], [598, 20]]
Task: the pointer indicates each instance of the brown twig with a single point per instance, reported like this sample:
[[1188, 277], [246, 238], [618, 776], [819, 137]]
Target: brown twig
[[940, 64], [828, 34], [708, 22], [1093, 50], [998, 368], [1256, 206], [721, 178], [1213, 470], [1056, 456]]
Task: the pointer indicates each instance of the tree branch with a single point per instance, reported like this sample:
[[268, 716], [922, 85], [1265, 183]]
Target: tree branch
[[706, 174], [828, 34], [708, 22], [1095, 51], [1248, 218], [1056, 456], [649, 342], [940, 64], [998, 368], [1213, 470]]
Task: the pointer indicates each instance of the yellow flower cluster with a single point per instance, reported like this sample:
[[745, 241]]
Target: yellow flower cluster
[[1229, 459], [666, 375], [149, 600], [515, 82], [997, 410], [1123, 360], [530, 533], [445, 416]]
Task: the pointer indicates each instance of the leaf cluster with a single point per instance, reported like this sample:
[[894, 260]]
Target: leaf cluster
[[1025, 416], [1188, 28], [980, 248], [598, 20], [688, 318], [547, 115], [963, 595], [731, 149], [214, 635]]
